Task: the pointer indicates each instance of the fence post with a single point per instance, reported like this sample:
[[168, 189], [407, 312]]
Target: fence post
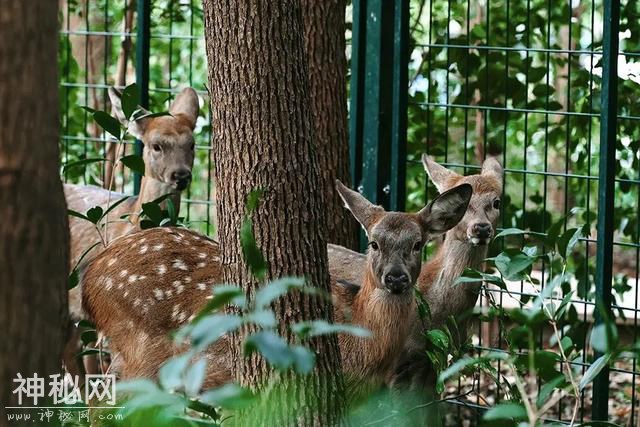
[[379, 100], [399, 109], [606, 189], [143, 37]]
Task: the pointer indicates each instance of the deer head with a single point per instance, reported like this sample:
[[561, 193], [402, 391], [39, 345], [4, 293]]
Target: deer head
[[477, 227], [396, 239], [168, 140]]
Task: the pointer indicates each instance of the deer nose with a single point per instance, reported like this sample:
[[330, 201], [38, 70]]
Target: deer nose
[[181, 177], [396, 281], [482, 230]]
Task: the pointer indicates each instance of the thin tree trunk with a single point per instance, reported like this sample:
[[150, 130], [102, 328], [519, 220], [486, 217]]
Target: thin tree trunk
[[263, 138], [324, 33], [34, 240]]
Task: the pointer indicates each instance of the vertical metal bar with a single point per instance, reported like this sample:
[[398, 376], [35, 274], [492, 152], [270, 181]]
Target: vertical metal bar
[[376, 130], [399, 109], [606, 188], [358, 40], [143, 37]]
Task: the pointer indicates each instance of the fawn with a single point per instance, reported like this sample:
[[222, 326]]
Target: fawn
[[148, 283], [168, 159]]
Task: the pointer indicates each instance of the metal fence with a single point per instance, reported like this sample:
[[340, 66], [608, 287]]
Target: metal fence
[[530, 81]]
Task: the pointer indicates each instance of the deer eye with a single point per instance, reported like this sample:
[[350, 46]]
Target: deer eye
[[374, 246], [156, 148], [496, 204], [417, 246]]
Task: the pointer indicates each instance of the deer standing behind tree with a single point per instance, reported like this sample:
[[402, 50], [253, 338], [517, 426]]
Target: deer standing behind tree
[[154, 281], [168, 159]]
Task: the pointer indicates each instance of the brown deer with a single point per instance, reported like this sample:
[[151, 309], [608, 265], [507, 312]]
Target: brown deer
[[168, 159], [464, 246], [146, 284]]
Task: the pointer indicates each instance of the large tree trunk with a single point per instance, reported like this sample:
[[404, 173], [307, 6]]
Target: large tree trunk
[[324, 33], [34, 240], [263, 138]]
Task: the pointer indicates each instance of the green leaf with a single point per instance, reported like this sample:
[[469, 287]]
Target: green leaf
[[604, 337], [133, 162], [277, 288], [194, 377], [129, 100], [115, 205], [140, 114], [95, 214], [506, 411], [252, 254], [153, 212], [74, 279], [514, 264], [71, 212], [107, 122], [276, 351], [438, 338], [170, 373], [210, 329], [598, 365], [470, 275], [83, 162], [511, 232], [89, 336], [564, 304], [315, 328], [264, 318], [568, 240], [171, 211], [222, 295], [548, 388], [230, 396]]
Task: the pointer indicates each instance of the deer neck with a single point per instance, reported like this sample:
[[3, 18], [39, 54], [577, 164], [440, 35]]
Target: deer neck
[[387, 317], [150, 190], [439, 275]]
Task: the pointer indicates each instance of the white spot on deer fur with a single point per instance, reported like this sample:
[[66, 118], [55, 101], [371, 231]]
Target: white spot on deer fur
[[178, 264], [201, 286], [182, 316], [158, 247], [120, 285], [168, 293], [124, 273], [133, 278], [193, 316], [176, 310], [202, 255], [196, 237], [161, 269], [126, 294], [143, 249], [201, 264], [111, 262], [158, 294], [145, 308], [215, 258], [187, 279], [109, 284], [209, 242], [136, 302], [142, 277]]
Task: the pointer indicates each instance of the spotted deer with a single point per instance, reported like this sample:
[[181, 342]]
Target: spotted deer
[[146, 284], [168, 159]]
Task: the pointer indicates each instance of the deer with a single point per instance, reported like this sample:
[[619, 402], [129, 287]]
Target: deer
[[464, 246], [168, 159], [146, 284]]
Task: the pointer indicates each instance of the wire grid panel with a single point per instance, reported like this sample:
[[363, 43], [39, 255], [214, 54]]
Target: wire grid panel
[[92, 36], [521, 80]]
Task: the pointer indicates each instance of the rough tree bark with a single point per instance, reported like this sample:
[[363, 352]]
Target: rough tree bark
[[324, 29], [263, 138], [34, 241]]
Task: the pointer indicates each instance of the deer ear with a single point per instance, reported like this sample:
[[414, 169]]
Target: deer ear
[[491, 166], [186, 106], [445, 211], [135, 128], [439, 175], [363, 210]]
